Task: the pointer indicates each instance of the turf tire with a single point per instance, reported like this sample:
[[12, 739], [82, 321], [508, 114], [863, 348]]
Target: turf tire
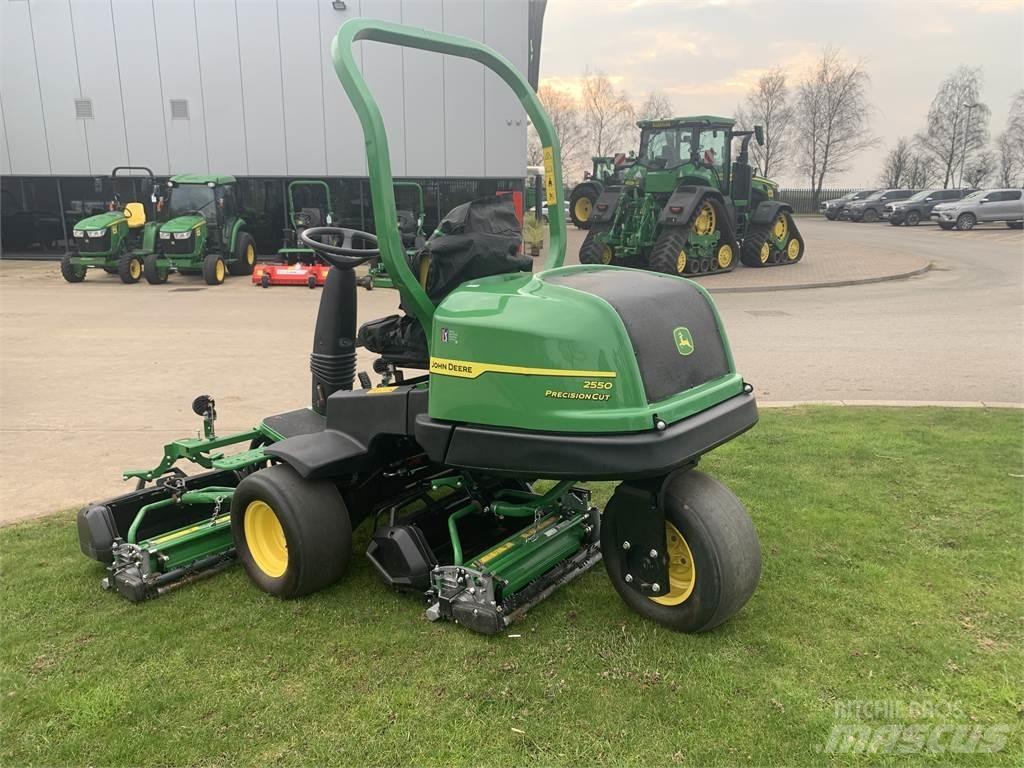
[[241, 265], [155, 275], [725, 548], [129, 268], [70, 272], [211, 274], [316, 527]]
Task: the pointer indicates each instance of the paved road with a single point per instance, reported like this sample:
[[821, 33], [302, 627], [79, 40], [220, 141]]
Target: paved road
[[95, 377]]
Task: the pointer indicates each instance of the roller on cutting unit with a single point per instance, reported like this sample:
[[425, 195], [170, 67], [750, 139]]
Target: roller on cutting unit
[[502, 394]]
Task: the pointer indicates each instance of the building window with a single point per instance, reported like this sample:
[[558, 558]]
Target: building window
[[83, 109], [179, 109]]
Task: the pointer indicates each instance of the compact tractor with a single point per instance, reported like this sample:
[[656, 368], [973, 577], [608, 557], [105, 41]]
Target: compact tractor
[[607, 172], [469, 474], [685, 208], [119, 240], [309, 205], [203, 232]]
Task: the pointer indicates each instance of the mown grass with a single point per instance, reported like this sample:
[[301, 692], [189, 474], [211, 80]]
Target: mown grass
[[892, 572]]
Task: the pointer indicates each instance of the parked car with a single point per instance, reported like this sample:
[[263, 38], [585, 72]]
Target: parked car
[[918, 207], [986, 205], [834, 208], [872, 207]]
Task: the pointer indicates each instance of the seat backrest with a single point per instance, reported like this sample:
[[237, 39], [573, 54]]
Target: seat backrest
[[135, 213]]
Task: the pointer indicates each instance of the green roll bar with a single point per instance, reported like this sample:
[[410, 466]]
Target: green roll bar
[[310, 183], [379, 161]]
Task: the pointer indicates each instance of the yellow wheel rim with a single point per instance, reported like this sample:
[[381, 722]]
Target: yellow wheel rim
[[781, 228], [766, 251], [250, 255], [606, 255], [793, 249], [220, 270], [681, 262], [135, 268], [582, 209], [682, 574], [265, 538], [725, 256], [705, 221]]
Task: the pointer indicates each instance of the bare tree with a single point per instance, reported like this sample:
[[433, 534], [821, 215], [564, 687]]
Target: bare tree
[[831, 125], [980, 168], [906, 166], [655, 106], [609, 115], [957, 123], [1010, 145], [567, 118], [921, 171], [768, 105]]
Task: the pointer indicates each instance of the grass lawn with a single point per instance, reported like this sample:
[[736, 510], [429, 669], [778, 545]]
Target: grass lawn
[[892, 576]]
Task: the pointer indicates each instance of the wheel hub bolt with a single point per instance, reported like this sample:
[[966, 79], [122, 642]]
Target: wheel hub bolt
[[655, 588], [625, 545], [629, 578], [653, 553]]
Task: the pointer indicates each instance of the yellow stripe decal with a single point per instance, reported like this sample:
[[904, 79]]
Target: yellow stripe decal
[[466, 369], [185, 531]]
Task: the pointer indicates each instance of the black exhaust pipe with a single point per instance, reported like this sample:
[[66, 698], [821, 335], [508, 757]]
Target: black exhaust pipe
[[333, 360]]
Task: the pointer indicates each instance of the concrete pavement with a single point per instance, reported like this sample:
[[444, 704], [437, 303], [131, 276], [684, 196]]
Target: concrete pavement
[[95, 377]]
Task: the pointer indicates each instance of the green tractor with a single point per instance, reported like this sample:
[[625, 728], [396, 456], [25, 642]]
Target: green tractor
[[203, 232], [118, 240], [410, 227], [607, 172], [685, 208]]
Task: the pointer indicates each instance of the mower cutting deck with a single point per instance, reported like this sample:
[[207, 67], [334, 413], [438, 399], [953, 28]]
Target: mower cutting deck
[[471, 475]]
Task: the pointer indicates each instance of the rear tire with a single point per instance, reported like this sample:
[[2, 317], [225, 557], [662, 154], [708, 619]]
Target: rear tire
[[870, 216], [245, 255], [595, 252], [213, 269], [669, 253], [913, 219], [71, 272], [720, 554], [581, 205], [129, 268], [155, 275], [293, 536], [965, 222]]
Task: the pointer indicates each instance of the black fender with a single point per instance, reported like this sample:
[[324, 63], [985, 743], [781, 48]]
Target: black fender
[[766, 212], [592, 186], [685, 201], [609, 199]]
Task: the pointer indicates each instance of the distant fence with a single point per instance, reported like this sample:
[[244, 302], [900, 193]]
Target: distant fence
[[802, 200]]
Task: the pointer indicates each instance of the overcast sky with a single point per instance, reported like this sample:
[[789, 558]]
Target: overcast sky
[[704, 54]]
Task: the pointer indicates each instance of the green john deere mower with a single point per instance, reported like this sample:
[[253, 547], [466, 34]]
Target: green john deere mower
[[203, 231], [119, 240], [411, 214], [606, 172], [686, 208], [471, 474]]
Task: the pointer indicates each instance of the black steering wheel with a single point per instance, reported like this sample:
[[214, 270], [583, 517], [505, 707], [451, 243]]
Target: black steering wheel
[[343, 256]]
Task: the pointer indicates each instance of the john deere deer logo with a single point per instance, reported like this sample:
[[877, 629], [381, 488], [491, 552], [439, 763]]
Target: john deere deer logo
[[684, 341]]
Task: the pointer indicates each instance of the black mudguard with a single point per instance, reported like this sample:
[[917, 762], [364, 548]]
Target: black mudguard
[[610, 200], [688, 199], [766, 212]]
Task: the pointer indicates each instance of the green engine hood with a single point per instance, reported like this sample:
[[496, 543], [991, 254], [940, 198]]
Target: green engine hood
[[578, 349], [101, 220], [182, 223], [769, 187]]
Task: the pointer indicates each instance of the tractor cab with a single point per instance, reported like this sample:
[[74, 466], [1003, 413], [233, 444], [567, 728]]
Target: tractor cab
[[683, 150]]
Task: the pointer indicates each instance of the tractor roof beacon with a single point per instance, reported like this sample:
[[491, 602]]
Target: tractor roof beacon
[[569, 374], [686, 207]]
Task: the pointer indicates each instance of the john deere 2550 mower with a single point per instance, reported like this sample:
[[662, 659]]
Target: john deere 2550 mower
[[685, 208], [116, 241], [470, 475], [203, 232]]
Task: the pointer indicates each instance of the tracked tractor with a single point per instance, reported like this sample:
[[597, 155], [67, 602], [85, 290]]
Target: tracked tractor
[[119, 240], [687, 208], [203, 232], [606, 172], [468, 471]]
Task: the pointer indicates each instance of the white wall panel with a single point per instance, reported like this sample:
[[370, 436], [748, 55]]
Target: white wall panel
[[222, 86], [382, 68], [464, 93], [261, 87], [179, 74], [5, 152], [505, 30], [26, 129], [144, 102], [424, 95], [301, 67], [59, 86], [101, 81], [346, 155]]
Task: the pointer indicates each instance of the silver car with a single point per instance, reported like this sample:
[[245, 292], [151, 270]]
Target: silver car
[[987, 205]]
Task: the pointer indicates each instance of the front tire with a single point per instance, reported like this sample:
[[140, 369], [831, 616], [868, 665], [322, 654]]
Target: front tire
[[292, 535], [71, 272], [913, 219], [581, 205], [713, 550], [155, 274], [870, 216], [965, 222], [593, 251], [213, 269], [129, 268], [245, 255]]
